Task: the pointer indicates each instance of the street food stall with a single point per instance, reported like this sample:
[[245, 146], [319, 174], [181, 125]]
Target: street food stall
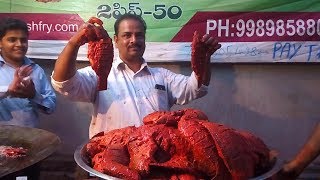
[[264, 80]]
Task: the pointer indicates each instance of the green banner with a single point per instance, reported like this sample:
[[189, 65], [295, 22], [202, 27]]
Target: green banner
[[164, 18]]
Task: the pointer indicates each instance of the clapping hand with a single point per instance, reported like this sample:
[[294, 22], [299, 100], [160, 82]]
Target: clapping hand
[[22, 85]]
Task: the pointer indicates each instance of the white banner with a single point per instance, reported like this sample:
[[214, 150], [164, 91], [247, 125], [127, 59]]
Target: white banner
[[257, 52]]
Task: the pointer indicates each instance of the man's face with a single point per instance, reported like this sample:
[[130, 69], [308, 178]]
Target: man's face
[[14, 45], [130, 40]]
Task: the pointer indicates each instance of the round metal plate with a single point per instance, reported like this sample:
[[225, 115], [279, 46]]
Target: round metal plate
[[39, 144], [81, 161]]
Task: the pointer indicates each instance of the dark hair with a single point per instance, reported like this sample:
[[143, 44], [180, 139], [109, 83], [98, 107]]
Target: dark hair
[[12, 24], [129, 16]]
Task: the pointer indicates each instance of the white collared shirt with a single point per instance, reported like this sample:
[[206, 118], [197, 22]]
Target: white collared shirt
[[130, 96], [24, 111]]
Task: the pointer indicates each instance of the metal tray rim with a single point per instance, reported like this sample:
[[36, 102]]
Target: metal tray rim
[[79, 160]]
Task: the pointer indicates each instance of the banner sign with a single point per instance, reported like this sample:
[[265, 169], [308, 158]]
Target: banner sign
[[250, 31]]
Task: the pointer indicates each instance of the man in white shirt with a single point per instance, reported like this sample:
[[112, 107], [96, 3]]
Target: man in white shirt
[[134, 88]]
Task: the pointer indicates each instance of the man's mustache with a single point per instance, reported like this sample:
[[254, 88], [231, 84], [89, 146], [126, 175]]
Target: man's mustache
[[135, 46]]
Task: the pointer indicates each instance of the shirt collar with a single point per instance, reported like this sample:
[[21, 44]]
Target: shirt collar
[[119, 64], [1, 61], [26, 60]]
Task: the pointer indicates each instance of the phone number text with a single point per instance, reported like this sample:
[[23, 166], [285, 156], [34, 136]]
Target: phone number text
[[265, 26]]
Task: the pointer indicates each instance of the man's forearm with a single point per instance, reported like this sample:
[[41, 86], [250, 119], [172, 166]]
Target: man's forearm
[[65, 66], [310, 150]]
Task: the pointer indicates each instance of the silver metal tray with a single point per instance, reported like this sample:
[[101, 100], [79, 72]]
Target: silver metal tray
[[83, 163]]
